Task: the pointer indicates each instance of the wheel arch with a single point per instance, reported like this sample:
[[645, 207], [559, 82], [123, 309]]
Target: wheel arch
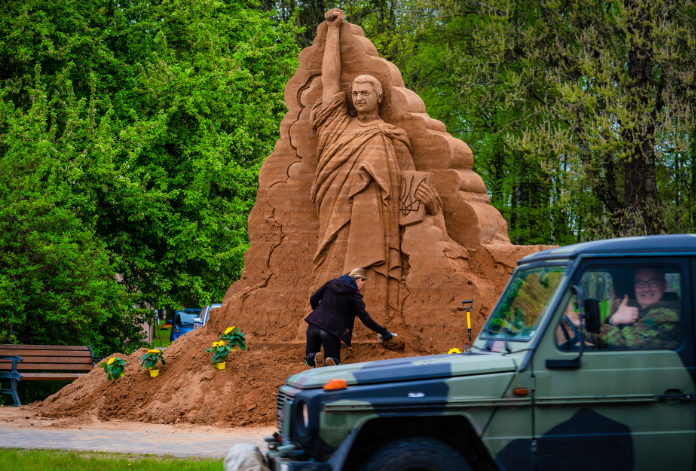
[[453, 430]]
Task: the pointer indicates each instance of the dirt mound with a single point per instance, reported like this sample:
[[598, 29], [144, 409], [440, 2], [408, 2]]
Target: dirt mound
[[190, 390]]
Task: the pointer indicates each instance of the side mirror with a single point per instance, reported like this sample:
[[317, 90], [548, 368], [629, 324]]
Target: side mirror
[[593, 323], [198, 320]]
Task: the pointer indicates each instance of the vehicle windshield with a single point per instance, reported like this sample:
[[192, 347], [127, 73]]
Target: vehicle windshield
[[185, 318], [521, 306]]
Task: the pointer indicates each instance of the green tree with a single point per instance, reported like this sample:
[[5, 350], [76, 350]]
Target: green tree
[[578, 113], [57, 278], [154, 120]]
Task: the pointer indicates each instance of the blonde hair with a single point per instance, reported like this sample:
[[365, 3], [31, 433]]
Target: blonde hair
[[356, 273], [372, 81]]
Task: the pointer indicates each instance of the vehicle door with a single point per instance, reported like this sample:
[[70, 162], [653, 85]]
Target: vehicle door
[[629, 403]]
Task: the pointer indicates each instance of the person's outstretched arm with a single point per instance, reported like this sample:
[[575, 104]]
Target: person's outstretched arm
[[331, 65], [368, 321]]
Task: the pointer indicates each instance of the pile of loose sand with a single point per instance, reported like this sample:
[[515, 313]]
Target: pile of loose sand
[[190, 390]]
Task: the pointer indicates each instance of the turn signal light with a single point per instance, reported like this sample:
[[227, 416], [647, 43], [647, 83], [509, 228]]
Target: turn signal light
[[336, 384], [520, 391]]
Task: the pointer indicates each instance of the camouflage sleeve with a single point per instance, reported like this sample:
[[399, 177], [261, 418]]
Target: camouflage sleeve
[[659, 328]]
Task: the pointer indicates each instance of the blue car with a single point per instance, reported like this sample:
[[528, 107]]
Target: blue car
[[183, 322]]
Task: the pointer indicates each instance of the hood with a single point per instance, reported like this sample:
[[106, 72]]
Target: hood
[[343, 285], [406, 369]]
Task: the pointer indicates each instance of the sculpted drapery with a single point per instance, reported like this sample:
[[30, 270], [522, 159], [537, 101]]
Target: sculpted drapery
[[356, 193]]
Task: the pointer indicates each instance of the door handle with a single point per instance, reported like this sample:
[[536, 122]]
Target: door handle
[[676, 396]]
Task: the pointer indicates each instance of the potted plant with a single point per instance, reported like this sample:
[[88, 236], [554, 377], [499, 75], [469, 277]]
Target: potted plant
[[234, 337], [114, 368], [220, 352], [150, 359]]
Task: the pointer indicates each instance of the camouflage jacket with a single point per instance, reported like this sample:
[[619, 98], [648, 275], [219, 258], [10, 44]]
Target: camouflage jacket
[[657, 327]]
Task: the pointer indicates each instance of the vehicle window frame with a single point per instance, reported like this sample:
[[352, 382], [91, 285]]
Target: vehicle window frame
[[548, 311], [685, 301]]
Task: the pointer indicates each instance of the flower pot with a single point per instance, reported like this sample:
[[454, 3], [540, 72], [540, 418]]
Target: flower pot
[[220, 366], [154, 373]]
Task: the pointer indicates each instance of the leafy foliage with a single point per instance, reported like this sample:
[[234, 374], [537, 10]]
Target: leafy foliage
[[580, 115], [113, 368], [131, 135], [150, 360], [234, 337], [220, 351]]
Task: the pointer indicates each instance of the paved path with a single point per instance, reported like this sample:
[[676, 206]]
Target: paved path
[[128, 437]]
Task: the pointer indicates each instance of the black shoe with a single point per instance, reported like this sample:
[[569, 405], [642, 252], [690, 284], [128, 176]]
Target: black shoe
[[319, 359], [331, 362]]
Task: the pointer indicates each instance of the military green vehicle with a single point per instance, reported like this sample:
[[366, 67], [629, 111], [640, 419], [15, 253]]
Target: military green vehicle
[[586, 363]]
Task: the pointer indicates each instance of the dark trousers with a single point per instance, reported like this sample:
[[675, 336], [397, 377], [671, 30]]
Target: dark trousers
[[317, 337]]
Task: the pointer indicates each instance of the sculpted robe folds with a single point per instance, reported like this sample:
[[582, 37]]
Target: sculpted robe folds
[[356, 193]]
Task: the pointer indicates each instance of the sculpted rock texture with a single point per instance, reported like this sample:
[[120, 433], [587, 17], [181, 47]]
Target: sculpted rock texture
[[338, 193]]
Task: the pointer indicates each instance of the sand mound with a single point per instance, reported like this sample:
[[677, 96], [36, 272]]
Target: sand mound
[[190, 390]]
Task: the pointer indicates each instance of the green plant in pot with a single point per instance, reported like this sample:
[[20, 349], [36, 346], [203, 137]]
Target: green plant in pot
[[220, 352], [234, 337], [150, 361], [114, 368]]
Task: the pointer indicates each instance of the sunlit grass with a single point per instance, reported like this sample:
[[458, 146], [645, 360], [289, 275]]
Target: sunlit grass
[[19, 459]]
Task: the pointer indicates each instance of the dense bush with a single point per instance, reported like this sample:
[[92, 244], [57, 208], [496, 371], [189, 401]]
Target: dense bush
[[131, 134]]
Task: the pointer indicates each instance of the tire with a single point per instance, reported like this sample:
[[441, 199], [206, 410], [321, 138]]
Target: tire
[[416, 454]]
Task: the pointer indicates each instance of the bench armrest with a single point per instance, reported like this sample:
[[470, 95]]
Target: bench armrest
[[12, 358]]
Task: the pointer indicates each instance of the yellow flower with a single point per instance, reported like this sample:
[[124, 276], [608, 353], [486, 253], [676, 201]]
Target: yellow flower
[[153, 350], [453, 350], [111, 360], [229, 329]]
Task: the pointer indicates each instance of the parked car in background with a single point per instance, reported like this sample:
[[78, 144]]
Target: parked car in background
[[183, 322], [204, 315]]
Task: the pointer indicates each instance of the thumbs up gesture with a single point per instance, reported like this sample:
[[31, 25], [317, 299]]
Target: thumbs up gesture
[[625, 314]]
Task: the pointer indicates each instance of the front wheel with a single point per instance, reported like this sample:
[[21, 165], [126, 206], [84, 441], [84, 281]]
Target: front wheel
[[416, 454]]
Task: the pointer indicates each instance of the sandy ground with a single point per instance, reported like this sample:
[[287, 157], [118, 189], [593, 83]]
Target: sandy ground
[[22, 427]]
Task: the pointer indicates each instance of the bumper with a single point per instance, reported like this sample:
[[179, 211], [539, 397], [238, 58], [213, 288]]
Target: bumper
[[278, 463]]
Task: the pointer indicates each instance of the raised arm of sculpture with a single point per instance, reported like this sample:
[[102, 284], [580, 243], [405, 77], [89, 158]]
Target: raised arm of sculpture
[[331, 64]]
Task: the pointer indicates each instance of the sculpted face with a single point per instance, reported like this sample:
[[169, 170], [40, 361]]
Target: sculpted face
[[650, 286], [365, 99]]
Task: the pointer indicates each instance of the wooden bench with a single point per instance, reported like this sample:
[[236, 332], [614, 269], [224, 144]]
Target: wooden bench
[[43, 363]]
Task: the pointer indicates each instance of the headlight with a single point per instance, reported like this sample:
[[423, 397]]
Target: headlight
[[305, 414], [301, 417]]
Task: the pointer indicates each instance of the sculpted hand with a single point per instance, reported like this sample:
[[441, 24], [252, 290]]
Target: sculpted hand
[[624, 314], [427, 196], [335, 17]]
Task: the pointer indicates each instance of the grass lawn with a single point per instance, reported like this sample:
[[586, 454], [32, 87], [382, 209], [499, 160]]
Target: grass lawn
[[161, 337], [19, 459]]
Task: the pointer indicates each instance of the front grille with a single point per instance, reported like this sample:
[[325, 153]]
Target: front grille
[[280, 407]]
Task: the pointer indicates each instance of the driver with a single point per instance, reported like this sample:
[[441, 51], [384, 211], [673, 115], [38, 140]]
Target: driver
[[654, 324]]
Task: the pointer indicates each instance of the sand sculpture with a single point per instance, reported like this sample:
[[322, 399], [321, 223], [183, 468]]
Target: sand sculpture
[[395, 194], [362, 177]]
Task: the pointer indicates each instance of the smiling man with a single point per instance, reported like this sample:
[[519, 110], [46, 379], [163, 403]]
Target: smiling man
[[653, 324]]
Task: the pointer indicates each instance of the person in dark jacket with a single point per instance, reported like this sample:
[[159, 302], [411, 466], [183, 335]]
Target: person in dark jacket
[[335, 306]]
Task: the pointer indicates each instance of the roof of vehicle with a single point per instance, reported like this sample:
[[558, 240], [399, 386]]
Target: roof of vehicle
[[644, 245]]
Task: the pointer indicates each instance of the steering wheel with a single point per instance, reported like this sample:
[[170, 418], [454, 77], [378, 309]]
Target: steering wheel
[[570, 339]]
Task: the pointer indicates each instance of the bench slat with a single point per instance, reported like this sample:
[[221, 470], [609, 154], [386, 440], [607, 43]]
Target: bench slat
[[43, 347], [48, 366], [53, 359], [51, 376], [56, 353]]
